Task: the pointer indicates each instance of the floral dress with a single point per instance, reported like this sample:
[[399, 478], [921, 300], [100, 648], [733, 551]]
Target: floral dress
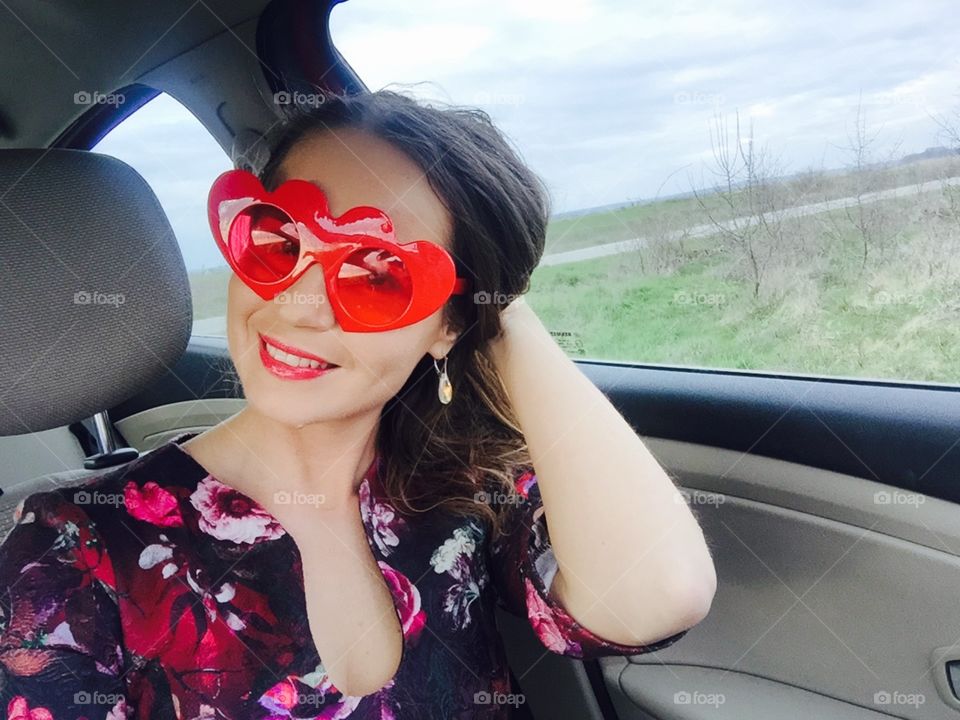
[[156, 591]]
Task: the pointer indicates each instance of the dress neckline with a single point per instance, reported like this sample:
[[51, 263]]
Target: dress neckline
[[370, 481], [365, 509]]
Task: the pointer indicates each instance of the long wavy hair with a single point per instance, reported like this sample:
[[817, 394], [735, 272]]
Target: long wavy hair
[[461, 455]]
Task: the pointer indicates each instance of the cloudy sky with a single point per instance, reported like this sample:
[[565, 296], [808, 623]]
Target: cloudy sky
[[611, 100]]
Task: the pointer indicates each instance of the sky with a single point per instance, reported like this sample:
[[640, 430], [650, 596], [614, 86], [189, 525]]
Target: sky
[[612, 100]]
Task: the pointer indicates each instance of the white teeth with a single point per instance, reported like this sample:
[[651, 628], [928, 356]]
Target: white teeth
[[292, 360]]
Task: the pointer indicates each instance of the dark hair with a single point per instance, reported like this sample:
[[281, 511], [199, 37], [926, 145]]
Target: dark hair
[[444, 455]]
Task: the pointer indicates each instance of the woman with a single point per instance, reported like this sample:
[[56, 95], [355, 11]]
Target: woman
[[337, 548]]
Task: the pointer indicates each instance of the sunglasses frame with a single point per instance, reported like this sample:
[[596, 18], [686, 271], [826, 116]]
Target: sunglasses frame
[[329, 241]]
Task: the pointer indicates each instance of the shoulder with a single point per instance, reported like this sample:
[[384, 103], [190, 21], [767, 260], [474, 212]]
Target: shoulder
[[94, 500], [53, 531]]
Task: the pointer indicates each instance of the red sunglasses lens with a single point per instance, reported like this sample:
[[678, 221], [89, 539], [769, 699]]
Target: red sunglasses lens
[[264, 243], [374, 286]]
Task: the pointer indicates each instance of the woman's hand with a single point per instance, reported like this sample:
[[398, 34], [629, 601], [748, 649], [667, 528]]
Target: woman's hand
[[518, 321]]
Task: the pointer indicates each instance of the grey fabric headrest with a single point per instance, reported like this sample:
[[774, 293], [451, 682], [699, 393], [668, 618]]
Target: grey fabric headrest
[[94, 296]]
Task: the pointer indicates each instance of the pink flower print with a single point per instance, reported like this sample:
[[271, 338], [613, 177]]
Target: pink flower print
[[382, 518], [407, 599], [18, 709], [454, 558], [525, 482], [121, 711], [461, 594], [153, 504], [283, 698], [544, 624], [228, 514]]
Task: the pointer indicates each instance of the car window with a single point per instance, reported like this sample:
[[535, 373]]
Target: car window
[[176, 155], [752, 186]]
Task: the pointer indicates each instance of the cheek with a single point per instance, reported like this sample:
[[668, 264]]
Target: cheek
[[389, 358], [242, 302]]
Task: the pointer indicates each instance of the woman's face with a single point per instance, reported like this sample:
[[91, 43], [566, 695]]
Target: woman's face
[[352, 168]]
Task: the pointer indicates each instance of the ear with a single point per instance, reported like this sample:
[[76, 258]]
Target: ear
[[446, 339]]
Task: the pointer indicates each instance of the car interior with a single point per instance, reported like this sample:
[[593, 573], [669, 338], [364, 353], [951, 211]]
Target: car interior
[[830, 504]]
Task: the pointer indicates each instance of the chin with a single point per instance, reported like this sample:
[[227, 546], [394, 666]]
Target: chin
[[285, 413]]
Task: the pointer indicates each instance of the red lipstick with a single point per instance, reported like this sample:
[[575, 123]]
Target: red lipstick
[[288, 372]]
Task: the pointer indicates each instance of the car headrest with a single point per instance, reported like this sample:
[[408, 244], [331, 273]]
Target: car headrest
[[94, 294]]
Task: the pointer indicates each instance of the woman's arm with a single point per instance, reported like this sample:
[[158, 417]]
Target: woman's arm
[[634, 565]]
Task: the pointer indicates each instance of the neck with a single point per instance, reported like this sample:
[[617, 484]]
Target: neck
[[320, 464]]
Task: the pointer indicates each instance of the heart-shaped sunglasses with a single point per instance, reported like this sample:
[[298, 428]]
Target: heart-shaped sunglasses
[[269, 239]]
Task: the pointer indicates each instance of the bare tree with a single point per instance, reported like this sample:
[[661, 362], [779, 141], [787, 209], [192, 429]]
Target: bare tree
[[661, 243], [747, 203], [659, 237], [950, 134], [872, 222], [950, 127], [860, 145], [942, 224]]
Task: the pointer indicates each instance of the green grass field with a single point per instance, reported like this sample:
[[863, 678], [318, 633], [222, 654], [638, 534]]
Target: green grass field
[[819, 312], [694, 318]]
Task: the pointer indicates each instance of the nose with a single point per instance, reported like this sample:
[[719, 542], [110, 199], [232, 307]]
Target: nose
[[305, 303]]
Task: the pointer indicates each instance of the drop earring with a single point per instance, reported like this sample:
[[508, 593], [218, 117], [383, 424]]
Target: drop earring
[[445, 388]]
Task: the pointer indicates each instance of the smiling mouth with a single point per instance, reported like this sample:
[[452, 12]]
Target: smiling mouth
[[292, 360]]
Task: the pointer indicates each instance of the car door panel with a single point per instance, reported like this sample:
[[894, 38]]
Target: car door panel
[[842, 594]]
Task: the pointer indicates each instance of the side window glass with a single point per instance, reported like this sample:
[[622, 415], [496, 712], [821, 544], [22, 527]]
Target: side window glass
[[741, 188], [176, 155]]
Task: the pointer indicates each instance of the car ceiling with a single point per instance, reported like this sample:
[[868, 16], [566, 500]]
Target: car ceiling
[[54, 49]]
